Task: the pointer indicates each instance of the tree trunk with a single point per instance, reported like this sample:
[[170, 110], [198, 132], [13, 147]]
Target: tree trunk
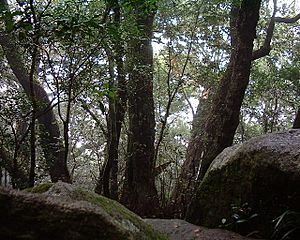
[[183, 190], [108, 181], [139, 192], [296, 123], [219, 125], [20, 178], [50, 136], [114, 124]]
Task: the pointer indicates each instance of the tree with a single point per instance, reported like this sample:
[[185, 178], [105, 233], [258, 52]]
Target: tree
[[139, 192], [297, 120], [108, 179], [220, 120], [79, 61], [49, 134]]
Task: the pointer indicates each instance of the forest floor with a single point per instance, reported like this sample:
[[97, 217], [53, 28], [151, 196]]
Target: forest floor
[[177, 229]]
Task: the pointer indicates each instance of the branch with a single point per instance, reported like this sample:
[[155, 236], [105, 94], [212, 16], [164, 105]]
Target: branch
[[159, 169], [94, 117], [173, 94], [7, 162], [189, 102], [266, 48], [287, 20]]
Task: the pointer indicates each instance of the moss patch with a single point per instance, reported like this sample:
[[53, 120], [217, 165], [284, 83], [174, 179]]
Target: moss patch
[[119, 212], [126, 221], [44, 187]]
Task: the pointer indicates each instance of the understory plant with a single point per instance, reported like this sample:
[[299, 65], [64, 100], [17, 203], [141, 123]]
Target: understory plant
[[287, 226]]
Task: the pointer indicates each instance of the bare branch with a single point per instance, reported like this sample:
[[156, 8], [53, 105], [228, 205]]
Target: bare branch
[[287, 20], [94, 117], [189, 102], [266, 48], [175, 91]]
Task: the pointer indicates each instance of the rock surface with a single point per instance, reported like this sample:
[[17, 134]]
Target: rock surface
[[66, 212], [177, 229], [263, 172]]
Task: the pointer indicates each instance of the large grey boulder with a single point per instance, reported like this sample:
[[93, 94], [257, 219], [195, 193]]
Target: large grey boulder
[[63, 211], [263, 173]]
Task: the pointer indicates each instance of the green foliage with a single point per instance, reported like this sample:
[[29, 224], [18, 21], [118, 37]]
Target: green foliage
[[145, 7], [15, 107], [272, 96], [70, 20], [240, 215], [79, 40]]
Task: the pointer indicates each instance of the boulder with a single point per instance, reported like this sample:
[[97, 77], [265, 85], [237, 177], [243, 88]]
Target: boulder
[[177, 229], [249, 185], [63, 211]]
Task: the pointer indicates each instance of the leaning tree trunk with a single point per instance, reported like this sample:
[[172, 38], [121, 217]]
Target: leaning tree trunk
[[219, 126], [50, 137], [185, 183], [139, 192]]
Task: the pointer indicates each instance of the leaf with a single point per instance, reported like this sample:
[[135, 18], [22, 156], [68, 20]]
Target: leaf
[[285, 236], [242, 220], [253, 215], [236, 216], [9, 24]]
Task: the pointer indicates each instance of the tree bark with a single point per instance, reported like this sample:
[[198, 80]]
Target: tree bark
[[184, 188], [221, 118], [108, 180], [296, 123], [139, 192], [50, 136]]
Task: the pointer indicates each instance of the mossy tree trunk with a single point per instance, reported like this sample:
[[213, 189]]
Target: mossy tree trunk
[[139, 192]]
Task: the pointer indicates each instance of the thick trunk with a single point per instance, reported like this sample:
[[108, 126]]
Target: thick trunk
[[183, 190], [49, 131], [219, 126], [139, 192]]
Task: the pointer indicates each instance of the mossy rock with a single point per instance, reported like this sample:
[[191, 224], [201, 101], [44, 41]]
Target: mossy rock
[[260, 178], [41, 188], [63, 211]]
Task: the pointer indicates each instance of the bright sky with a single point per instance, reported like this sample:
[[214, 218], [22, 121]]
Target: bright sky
[[288, 2]]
